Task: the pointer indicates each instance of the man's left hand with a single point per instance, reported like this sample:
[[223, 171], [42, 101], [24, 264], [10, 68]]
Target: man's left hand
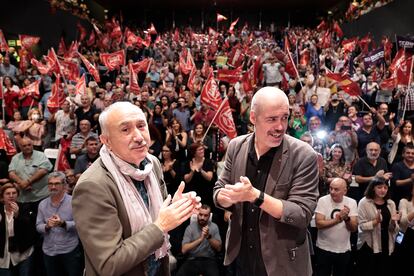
[[241, 191]]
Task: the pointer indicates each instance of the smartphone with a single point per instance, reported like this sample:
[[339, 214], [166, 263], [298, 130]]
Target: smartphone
[[399, 238], [346, 127]]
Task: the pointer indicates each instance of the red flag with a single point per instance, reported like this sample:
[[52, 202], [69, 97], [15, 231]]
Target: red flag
[[210, 94], [4, 47], [57, 97], [322, 26], [116, 29], [73, 49], [133, 81], [212, 32], [290, 66], [142, 66], [236, 57], [176, 36], [70, 70], [224, 120], [248, 80], [53, 62], [220, 17], [1, 87], [364, 43], [387, 47], [81, 30], [62, 163], [206, 69], [91, 69], [62, 47], [104, 41], [191, 79], [345, 83], [28, 41], [98, 32], [152, 29], [349, 44], [186, 61], [81, 86], [401, 67], [337, 29], [91, 39], [113, 60], [44, 69], [6, 144], [130, 38], [25, 57], [388, 84], [32, 88], [229, 75], [232, 25], [326, 40]]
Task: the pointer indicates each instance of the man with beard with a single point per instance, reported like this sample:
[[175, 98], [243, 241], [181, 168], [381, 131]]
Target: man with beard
[[370, 166], [62, 252], [403, 175], [270, 185], [201, 241]]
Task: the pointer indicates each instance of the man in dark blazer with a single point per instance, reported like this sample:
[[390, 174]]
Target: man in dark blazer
[[118, 203], [270, 184]]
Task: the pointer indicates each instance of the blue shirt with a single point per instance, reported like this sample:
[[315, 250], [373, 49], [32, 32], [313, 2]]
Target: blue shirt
[[57, 240]]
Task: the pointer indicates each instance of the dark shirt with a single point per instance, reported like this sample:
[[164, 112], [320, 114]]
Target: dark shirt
[[364, 138], [385, 222], [400, 172], [81, 115], [364, 168], [250, 260], [83, 162]]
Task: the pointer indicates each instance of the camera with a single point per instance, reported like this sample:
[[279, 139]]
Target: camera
[[346, 127]]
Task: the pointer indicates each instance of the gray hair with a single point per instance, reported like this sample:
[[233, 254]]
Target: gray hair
[[103, 117], [57, 174]]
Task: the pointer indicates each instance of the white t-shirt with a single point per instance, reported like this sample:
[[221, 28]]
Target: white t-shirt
[[336, 238]]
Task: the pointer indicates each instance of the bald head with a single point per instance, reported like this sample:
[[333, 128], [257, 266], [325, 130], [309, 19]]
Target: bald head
[[269, 95]]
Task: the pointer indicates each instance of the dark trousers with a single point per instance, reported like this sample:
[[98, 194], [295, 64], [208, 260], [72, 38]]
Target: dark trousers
[[23, 268], [330, 263], [69, 264], [197, 266], [378, 264]]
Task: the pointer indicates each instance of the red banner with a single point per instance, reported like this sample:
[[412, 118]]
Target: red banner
[[345, 83], [28, 41], [70, 70], [62, 163], [44, 69], [91, 40], [401, 67], [81, 30], [142, 66], [57, 97], [91, 69], [6, 144], [224, 120], [210, 94], [4, 47], [113, 60], [232, 25], [186, 61], [236, 57], [81, 86], [133, 81], [229, 75], [32, 88]]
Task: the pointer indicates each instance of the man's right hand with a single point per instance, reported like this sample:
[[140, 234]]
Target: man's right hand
[[172, 215]]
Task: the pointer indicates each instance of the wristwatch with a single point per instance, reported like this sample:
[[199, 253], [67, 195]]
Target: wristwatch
[[259, 201]]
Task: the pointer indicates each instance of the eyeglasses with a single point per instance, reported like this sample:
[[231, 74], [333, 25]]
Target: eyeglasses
[[54, 184]]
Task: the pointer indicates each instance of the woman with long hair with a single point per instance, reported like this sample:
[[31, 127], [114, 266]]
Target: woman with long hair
[[176, 139], [401, 136], [197, 135], [10, 97], [378, 226], [335, 166]]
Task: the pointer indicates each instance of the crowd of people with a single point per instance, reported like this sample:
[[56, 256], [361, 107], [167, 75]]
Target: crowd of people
[[363, 143]]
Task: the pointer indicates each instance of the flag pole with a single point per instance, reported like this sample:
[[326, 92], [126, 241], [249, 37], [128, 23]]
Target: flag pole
[[215, 115], [408, 86], [359, 97], [3, 104], [294, 67]]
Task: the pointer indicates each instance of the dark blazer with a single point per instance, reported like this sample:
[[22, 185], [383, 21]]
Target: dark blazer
[[24, 230], [284, 241], [104, 229]]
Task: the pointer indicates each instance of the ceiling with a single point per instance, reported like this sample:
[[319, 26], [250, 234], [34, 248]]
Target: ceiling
[[319, 5]]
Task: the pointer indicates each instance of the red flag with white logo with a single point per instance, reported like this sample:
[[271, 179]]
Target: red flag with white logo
[[57, 97], [133, 81], [73, 49], [186, 61], [191, 79], [91, 68], [142, 66], [81, 86], [229, 75], [116, 29], [224, 120], [236, 57], [113, 60], [70, 70], [44, 69], [4, 47], [28, 41], [32, 88], [130, 38], [210, 94], [401, 67]]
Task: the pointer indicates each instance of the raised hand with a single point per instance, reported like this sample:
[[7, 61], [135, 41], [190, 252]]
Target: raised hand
[[172, 215]]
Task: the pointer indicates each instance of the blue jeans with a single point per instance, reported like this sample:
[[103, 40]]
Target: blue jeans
[[70, 264], [22, 269]]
